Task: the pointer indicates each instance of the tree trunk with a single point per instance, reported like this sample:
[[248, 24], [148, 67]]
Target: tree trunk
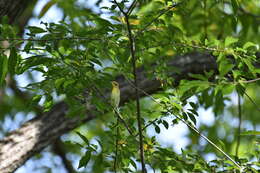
[[13, 8]]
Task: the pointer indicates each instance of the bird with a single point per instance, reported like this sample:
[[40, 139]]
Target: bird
[[115, 95]]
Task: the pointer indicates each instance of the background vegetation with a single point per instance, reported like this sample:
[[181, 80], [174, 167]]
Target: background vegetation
[[172, 59]]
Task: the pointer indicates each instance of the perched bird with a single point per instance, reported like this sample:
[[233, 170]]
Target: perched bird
[[115, 95]]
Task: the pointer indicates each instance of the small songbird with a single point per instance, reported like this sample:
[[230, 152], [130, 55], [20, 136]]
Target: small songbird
[[115, 95]]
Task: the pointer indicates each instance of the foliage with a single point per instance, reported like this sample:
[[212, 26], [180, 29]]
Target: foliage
[[80, 56]]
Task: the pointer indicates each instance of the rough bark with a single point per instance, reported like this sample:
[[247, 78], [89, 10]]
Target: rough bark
[[13, 8], [36, 134]]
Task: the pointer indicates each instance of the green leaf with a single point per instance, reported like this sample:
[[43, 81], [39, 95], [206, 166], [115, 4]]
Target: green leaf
[[198, 76], [47, 105], [83, 138], [113, 7], [249, 45], [175, 121], [224, 67], [248, 64], [236, 74], [59, 82], [251, 132], [192, 117], [84, 160], [165, 123], [193, 105], [36, 30], [78, 145], [230, 40], [228, 89], [28, 46], [133, 164], [221, 144], [185, 116], [69, 82], [12, 61], [36, 61], [194, 112], [36, 98], [157, 129], [186, 86], [209, 74], [3, 68]]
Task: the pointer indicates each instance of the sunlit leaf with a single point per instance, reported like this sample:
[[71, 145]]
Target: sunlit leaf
[[83, 138]]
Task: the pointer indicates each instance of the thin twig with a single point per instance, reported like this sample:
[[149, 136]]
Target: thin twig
[[22, 50], [47, 40], [138, 114], [120, 9], [251, 81], [239, 124], [131, 8], [123, 122]]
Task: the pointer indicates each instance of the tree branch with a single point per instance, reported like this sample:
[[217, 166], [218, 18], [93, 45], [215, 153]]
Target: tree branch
[[137, 95], [58, 148], [35, 135]]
